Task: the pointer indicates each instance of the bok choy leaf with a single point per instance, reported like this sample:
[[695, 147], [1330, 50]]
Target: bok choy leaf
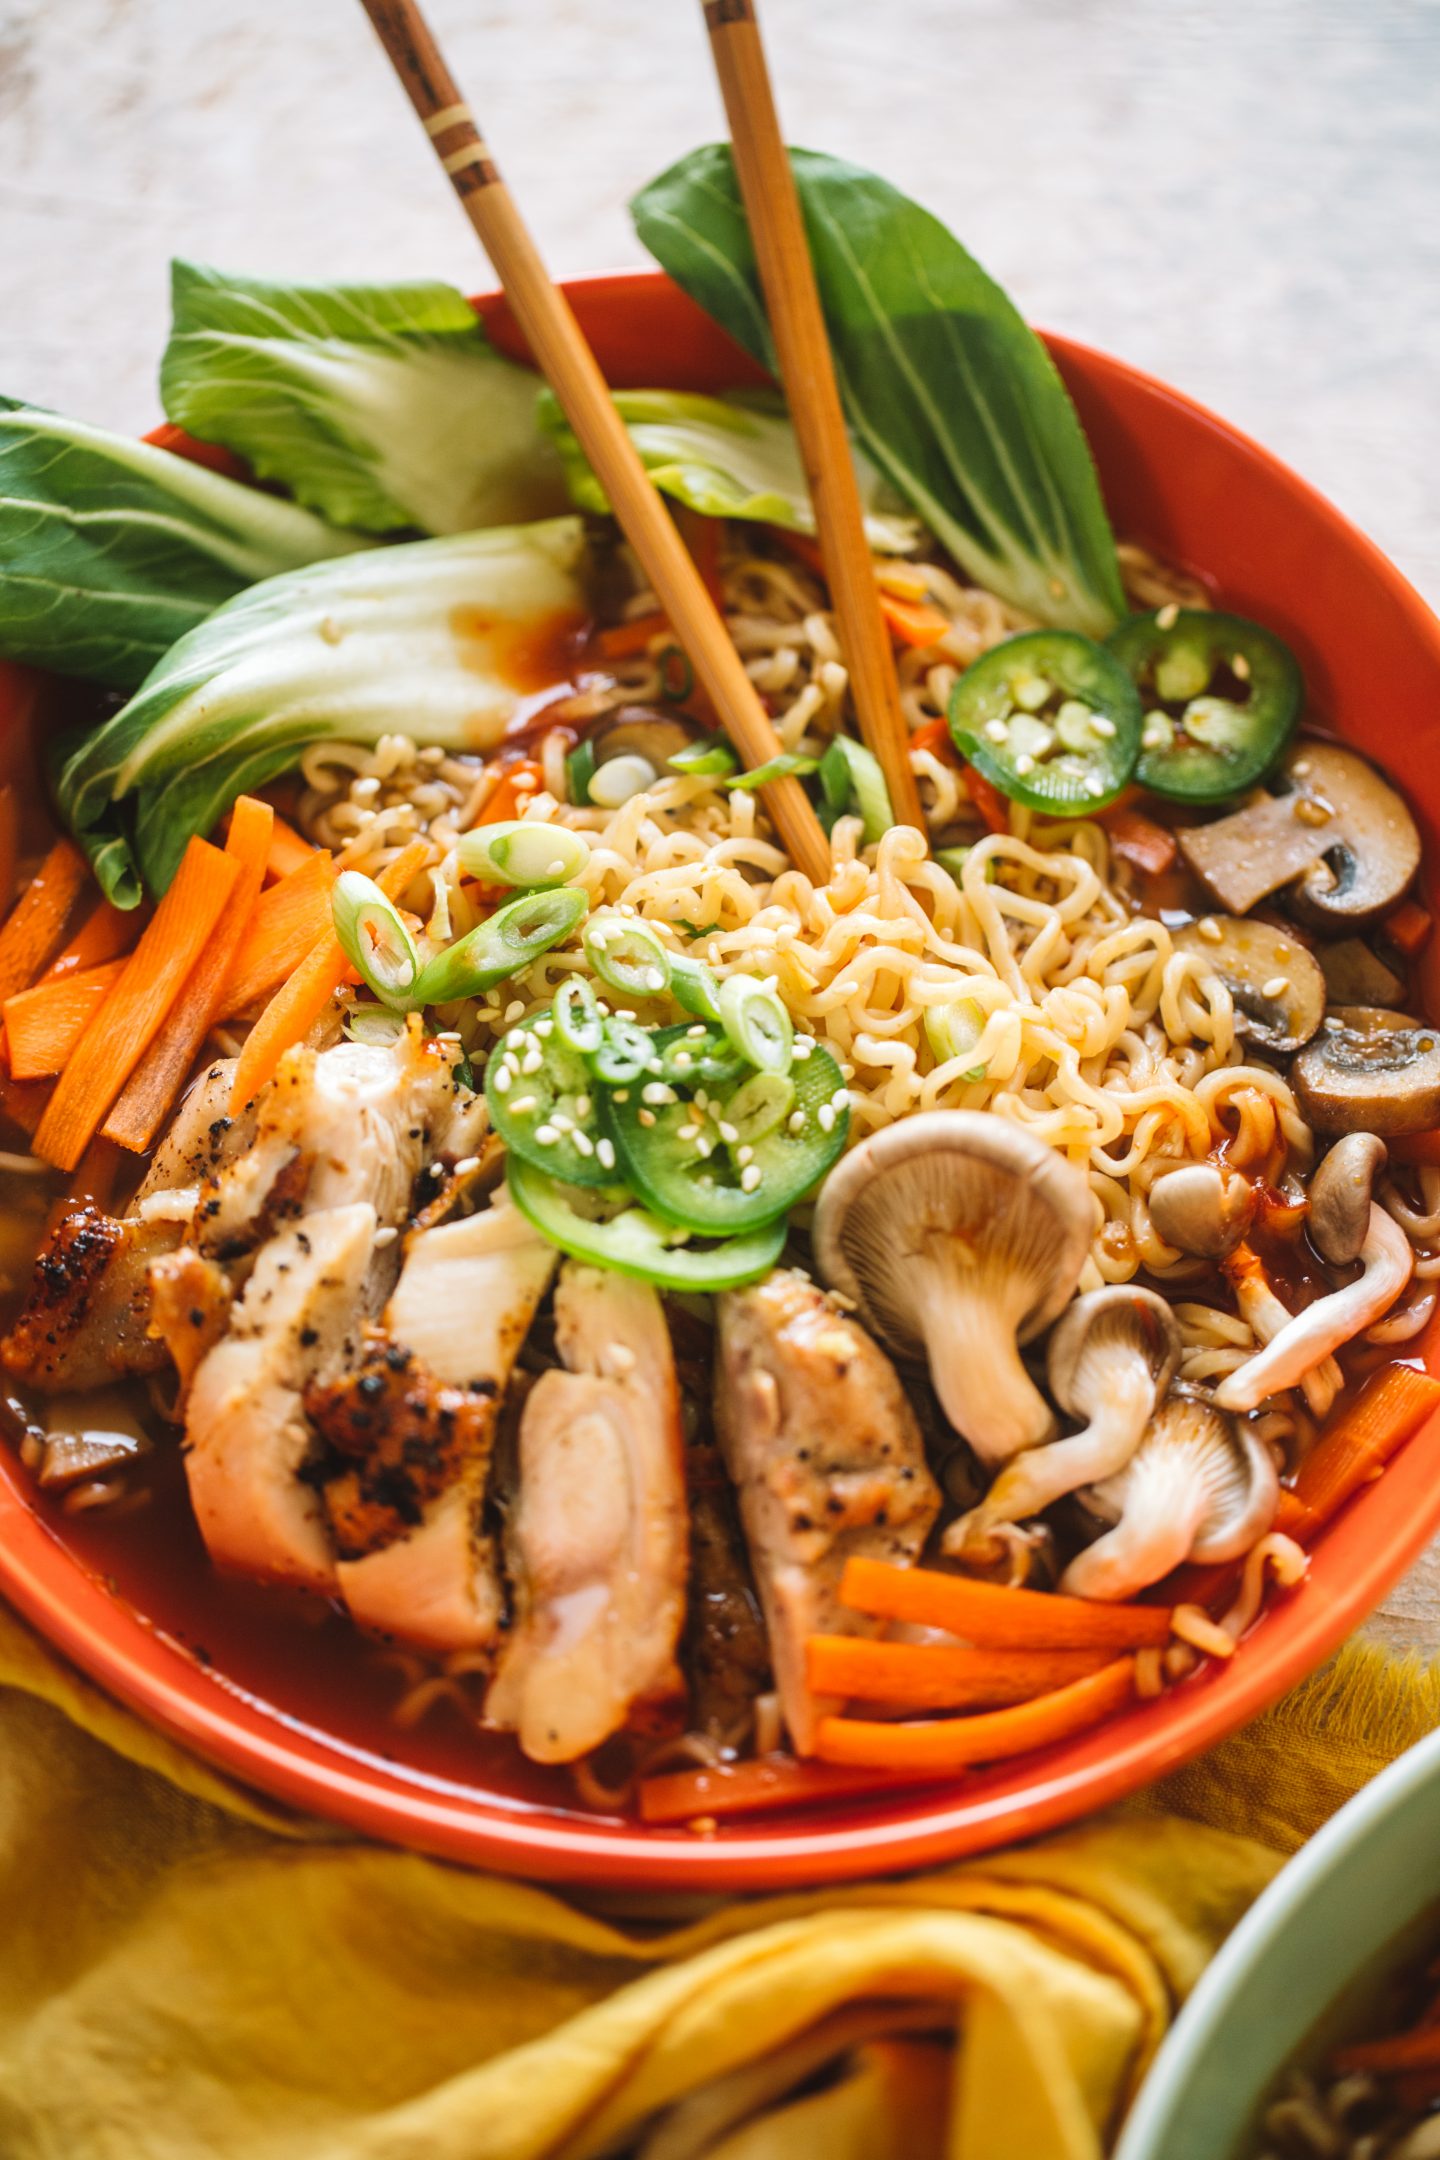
[[734, 456], [111, 549], [381, 406], [945, 387], [435, 638]]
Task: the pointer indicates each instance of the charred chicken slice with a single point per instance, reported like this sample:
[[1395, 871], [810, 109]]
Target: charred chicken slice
[[598, 1536], [414, 1422], [828, 1460]]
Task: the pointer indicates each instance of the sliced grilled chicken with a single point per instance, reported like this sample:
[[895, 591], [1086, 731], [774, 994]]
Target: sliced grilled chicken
[[190, 1302], [298, 1319], [415, 1422], [86, 1321], [598, 1535], [201, 1138], [828, 1461], [726, 1655]]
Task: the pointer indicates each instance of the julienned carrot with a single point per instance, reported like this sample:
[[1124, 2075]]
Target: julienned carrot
[[626, 640], [1416, 2050], [1421, 1147], [1409, 928], [147, 1097], [300, 1001], [937, 1676], [1140, 840], [507, 799], [988, 800], [35, 928], [757, 1787], [994, 1617], [940, 1744], [288, 849], [43, 1025], [9, 843], [24, 1102], [286, 922], [913, 622], [106, 933], [1392, 1406], [128, 1021]]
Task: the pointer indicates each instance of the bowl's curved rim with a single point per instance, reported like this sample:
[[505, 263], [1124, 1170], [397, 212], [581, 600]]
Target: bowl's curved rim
[[1204, 2016], [1363, 1553]]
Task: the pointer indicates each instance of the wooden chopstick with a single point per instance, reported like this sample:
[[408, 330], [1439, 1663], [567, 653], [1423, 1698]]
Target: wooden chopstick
[[570, 368], [807, 371]]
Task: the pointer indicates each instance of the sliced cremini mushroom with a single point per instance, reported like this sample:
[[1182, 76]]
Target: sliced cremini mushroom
[[1369, 1070], [1387, 1263], [959, 1236], [1340, 1196], [1198, 1487], [1111, 1357], [1204, 1209], [1339, 836], [1356, 975], [71, 1456], [1275, 985], [643, 731]]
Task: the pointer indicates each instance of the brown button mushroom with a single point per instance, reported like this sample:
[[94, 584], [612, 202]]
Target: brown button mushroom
[[1356, 975], [959, 1236], [1277, 989], [1340, 1196], [1202, 1208], [1369, 1070], [1198, 1487], [1340, 838]]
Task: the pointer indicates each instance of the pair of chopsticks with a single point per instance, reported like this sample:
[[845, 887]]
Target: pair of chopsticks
[[569, 366]]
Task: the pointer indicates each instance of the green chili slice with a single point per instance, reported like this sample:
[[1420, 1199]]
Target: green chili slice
[[500, 946], [579, 1023], [1220, 697], [541, 1096], [626, 954], [634, 1242], [1051, 719]]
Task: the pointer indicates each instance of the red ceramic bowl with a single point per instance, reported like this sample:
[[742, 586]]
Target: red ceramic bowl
[[266, 1705]]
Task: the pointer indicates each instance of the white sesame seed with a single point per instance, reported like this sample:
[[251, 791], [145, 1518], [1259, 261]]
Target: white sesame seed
[[1154, 738], [1095, 785], [1210, 930], [1168, 616], [556, 868], [656, 1091], [697, 1031], [646, 1117], [561, 1122], [1024, 764], [365, 790], [1276, 987], [449, 1035], [522, 1106], [605, 1154], [602, 1008], [996, 731], [583, 1142], [702, 1100], [728, 1133], [387, 1235], [1300, 768], [583, 1106], [627, 907], [750, 1178], [532, 1061], [513, 1010], [841, 1098], [1240, 667], [803, 1046], [848, 1071], [687, 1132], [503, 1079], [544, 1027], [744, 1155], [704, 1147], [466, 1164], [1102, 725], [795, 1122], [683, 1061], [546, 1135], [826, 1115], [622, 1095], [654, 978]]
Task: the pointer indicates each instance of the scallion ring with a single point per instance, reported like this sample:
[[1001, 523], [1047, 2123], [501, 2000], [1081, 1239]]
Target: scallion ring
[[708, 759], [377, 1026], [626, 1053], [776, 768], [627, 955], [953, 1031], [693, 987], [756, 1023], [579, 1022], [526, 852], [500, 946], [375, 940]]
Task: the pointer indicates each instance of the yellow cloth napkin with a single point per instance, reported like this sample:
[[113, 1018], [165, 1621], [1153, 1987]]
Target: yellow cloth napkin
[[189, 1973]]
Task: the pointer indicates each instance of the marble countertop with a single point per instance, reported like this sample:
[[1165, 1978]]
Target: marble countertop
[[1240, 195]]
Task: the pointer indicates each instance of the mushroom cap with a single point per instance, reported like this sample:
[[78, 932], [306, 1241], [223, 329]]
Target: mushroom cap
[[1369, 1070], [968, 1175], [1356, 975], [1340, 1196], [1104, 1331], [643, 731], [1191, 1446], [1203, 1208], [1274, 981]]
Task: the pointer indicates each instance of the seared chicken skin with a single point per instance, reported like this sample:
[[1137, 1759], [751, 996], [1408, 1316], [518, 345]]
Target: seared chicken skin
[[416, 1418], [828, 1461], [598, 1537]]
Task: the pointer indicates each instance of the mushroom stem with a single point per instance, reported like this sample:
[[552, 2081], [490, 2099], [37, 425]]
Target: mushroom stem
[[1165, 1505], [1267, 1316], [1040, 1476], [1304, 1342], [969, 1320]]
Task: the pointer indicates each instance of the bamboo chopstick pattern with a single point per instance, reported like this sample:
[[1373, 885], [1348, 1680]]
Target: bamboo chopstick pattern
[[569, 366], [807, 371]]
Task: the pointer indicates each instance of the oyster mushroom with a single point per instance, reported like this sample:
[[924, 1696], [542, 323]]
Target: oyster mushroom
[[1340, 1196], [1266, 1313], [1274, 982], [1387, 1263], [1111, 1358], [1202, 1208], [1339, 836], [1198, 1487], [959, 1236], [1369, 1070]]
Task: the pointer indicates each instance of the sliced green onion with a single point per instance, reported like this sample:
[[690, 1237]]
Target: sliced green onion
[[377, 1026], [756, 1023], [677, 677], [579, 1022], [776, 768], [375, 940], [952, 1031], [527, 852], [708, 759], [500, 946], [625, 1053], [627, 955], [755, 1109], [579, 771], [693, 987], [849, 772], [953, 861]]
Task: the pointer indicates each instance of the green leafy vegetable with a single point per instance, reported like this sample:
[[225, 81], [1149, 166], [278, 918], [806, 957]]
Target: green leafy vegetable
[[367, 646], [383, 406], [111, 549], [725, 457], [946, 389]]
